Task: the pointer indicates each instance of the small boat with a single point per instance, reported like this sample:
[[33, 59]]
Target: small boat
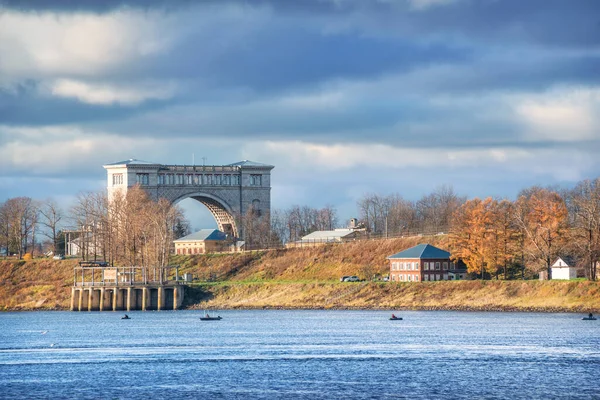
[[125, 317], [209, 318], [590, 317], [394, 318]]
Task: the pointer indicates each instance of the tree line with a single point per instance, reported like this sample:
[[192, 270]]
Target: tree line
[[495, 237], [130, 229], [541, 225]]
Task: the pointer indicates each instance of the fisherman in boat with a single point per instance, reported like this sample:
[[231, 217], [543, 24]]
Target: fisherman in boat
[[393, 316], [590, 316]]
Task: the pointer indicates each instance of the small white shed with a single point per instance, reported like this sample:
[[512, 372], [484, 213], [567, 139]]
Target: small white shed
[[564, 268]]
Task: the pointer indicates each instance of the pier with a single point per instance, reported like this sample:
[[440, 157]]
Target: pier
[[100, 287]]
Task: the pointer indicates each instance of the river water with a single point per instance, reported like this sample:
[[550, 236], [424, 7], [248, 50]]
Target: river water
[[299, 354]]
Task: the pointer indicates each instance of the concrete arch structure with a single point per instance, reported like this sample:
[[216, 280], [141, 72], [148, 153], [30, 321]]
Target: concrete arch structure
[[220, 210], [228, 191]]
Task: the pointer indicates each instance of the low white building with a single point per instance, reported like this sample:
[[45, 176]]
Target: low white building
[[564, 268]]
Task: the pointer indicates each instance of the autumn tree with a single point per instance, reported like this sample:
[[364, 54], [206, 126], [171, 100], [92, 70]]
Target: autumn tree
[[541, 215], [470, 234]]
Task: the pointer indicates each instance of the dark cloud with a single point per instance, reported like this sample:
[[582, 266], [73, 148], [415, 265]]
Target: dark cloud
[[26, 105], [556, 22]]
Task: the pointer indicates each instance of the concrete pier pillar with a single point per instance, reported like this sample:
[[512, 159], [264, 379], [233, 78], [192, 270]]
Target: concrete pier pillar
[[101, 300], [175, 293], [115, 299], [130, 299], [145, 298], [161, 298], [118, 299], [73, 298], [178, 293]]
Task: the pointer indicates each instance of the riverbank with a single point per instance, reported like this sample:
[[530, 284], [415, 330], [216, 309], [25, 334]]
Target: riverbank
[[308, 278], [526, 296]]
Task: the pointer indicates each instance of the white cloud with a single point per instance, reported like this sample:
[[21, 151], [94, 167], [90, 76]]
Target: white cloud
[[339, 157], [111, 94], [561, 115], [47, 43]]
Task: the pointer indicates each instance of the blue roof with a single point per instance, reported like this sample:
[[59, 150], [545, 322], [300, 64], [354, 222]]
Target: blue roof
[[423, 251], [203, 234]]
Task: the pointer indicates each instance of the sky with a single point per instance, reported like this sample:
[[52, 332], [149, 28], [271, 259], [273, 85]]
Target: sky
[[343, 97]]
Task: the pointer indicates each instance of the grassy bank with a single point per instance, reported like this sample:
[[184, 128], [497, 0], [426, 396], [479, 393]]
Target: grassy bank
[[308, 278], [581, 296]]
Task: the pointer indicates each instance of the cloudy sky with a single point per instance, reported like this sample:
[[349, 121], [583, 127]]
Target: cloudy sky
[[344, 97]]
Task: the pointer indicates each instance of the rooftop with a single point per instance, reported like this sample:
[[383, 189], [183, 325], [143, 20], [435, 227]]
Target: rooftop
[[247, 163], [338, 233], [203, 234], [423, 251], [131, 161]]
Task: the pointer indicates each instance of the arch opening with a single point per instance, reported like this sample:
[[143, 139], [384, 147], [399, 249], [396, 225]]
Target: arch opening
[[220, 211]]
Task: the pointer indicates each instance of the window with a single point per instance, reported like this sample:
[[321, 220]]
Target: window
[[416, 266], [416, 278], [255, 180], [445, 265], [426, 266], [117, 179], [143, 179], [437, 266], [409, 278], [256, 207]]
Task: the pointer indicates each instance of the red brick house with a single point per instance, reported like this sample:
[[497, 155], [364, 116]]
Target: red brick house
[[423, 262]]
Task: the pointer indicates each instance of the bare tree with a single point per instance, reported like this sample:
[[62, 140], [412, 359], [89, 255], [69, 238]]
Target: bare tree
[[19, 215], [583, 203], [51, 215]]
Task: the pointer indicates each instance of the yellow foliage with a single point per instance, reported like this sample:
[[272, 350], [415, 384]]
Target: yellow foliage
[[27, 257]]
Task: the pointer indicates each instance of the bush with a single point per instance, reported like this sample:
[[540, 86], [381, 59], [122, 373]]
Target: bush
[[27, 257]]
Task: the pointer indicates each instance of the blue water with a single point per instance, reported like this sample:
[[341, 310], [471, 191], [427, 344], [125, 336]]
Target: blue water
[[299, 354]]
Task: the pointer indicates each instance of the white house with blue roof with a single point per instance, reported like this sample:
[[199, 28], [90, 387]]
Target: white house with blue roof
[[424, 262]]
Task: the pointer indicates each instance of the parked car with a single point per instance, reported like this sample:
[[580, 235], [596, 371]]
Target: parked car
[[352, 278], [58, 257], [343, 278]]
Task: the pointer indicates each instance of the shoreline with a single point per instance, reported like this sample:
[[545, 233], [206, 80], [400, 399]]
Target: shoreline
[[199, 307]]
